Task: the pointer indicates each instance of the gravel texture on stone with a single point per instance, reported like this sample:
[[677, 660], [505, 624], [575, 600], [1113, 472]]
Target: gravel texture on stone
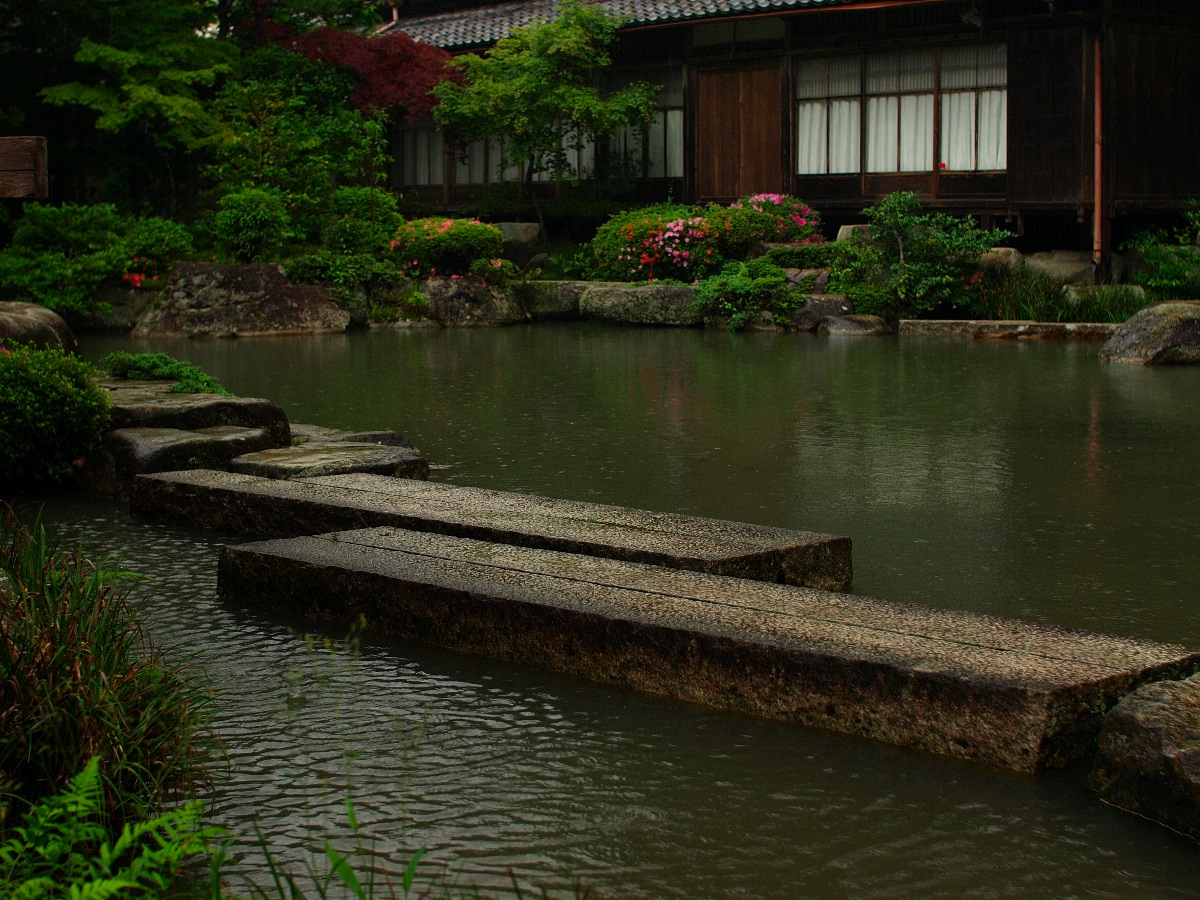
[[312, 459]]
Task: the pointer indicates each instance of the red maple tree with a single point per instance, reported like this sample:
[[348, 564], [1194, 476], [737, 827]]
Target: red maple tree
[[394, 72]]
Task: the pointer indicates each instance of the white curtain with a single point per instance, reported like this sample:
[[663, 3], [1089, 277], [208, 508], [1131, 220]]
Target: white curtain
[[656, 136], [993, 130], [470, 168], [916, 133], [958, 131], [674, 161], [810, 138], [883, 124], [845, 136]]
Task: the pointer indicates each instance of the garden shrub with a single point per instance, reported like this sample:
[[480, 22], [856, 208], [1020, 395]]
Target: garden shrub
[[744, 289], [665, 241], [252, 225], [495, 271], [739, 230], [794, 220], [188, 377], [344, 272], [1170, 263], [426, 247], [362, 220], [54, 414], [914, 262], [81, 681], [805, 256], [61, 255]]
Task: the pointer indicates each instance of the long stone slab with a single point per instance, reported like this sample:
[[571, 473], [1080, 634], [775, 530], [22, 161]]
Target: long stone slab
[[1001, 691], [265, 508]]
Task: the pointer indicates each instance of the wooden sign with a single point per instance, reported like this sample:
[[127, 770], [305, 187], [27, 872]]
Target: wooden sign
[[23, 167]]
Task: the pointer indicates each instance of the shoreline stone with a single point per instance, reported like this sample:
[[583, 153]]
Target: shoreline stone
[[1007, 330], [641, 304], [1163, 334], [31, 323]]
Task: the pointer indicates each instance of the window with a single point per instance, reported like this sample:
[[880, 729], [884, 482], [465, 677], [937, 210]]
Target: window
[[421, 156], [655, 150], [481, 162], [876, 112]]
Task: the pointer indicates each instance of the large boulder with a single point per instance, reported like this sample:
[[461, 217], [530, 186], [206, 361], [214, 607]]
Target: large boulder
[[817, 309], [1148, 760], [1159, 334], [641, 304], [213, 300], [1071, 266], [551, 299], [458, 301], [855, 324], [29, 323]]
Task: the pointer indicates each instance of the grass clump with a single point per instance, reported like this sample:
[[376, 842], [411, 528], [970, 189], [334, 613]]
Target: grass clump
[[188, 377], [54, 413], [79, 679]]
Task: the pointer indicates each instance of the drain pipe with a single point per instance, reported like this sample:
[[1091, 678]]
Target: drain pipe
[[1098, 212]]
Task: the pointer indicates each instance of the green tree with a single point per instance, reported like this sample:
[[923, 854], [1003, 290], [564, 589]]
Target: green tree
[[539, 88]]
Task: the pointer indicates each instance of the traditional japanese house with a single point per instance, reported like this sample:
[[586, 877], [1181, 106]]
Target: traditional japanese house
[[1053, 118]]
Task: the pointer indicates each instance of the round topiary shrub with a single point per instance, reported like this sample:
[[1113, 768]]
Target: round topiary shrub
[[54, 414], [654, 243], [252, 225], [425, 247]]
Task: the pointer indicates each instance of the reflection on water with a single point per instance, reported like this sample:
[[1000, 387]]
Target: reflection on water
[[1021, 480]]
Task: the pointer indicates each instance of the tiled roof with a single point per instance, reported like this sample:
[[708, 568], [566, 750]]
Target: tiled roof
[[482, 25]]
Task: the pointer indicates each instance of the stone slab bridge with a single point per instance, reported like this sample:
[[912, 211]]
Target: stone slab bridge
[[735, 616]]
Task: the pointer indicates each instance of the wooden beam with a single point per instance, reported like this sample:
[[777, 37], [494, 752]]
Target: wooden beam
[[23, 172]]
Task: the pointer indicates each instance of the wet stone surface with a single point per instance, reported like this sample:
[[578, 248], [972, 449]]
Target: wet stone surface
[[261, 508], [316, 458], [1008, 693]]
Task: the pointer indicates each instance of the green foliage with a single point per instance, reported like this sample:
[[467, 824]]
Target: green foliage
[[914, 262], [538, 88], [744, 289], [62, 849], [188, 377], [343, 270], [252, 225], [81, 680], [54, 414], [361, 220], [805, 256], [667, 240], [61, 255], [739, 230], [425, 247], [1170, 263], [495, 271]]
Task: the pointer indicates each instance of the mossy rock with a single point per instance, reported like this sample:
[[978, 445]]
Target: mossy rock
[[1166, 333]]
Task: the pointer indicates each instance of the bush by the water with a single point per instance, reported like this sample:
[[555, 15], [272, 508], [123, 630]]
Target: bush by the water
[[1170, 263], [54, 413], [914, 262], [252, 225], [687, 243], [425, 247], [61, 255], [744, 289], [189, 378], [80, 680]]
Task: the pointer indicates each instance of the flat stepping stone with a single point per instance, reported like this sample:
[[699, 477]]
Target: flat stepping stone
[[128, 452], [1000, 691], [151, 404], [303, 433], [312, 459], [263, 508]]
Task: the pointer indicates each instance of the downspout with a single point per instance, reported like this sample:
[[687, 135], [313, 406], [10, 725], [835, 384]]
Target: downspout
[[1099, 248]]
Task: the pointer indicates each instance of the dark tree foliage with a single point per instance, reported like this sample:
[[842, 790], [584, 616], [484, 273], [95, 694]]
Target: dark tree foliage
[[393, 71]]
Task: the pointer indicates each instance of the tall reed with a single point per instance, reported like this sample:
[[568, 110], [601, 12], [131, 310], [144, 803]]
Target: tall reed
[[79, 679]]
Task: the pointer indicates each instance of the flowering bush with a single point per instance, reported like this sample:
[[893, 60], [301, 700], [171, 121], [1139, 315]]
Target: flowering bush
[[426, 247], [665, 241], [495, 271], [795, 221]]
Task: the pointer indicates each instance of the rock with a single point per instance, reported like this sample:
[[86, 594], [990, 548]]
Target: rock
[[817, 309], [763, 321], [120, 308], [314, 459], [1071, 266], [641, 304], [1160, 334], [212, 300], [818, 277], [519, 238], [855, 324], [468, 302], [151, 404], [551, 299], [1149, 756], [30, 323], [847, 232], [303, 434], [1002, 257], [129, 452]]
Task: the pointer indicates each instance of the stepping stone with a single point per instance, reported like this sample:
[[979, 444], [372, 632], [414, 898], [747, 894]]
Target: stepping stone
[[260, 507], [302, 433], [1008, 693], [151, 404], [315, 458], [128, 452]]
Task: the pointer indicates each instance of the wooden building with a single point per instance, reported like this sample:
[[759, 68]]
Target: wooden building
[[1034, 114]]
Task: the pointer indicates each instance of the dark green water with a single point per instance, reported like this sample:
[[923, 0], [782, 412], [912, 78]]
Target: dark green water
[[1019, 479]]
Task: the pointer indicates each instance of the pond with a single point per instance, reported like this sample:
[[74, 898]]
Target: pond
[[1019, 479]]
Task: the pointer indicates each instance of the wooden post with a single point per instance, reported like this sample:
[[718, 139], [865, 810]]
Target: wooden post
[[23, 168]]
